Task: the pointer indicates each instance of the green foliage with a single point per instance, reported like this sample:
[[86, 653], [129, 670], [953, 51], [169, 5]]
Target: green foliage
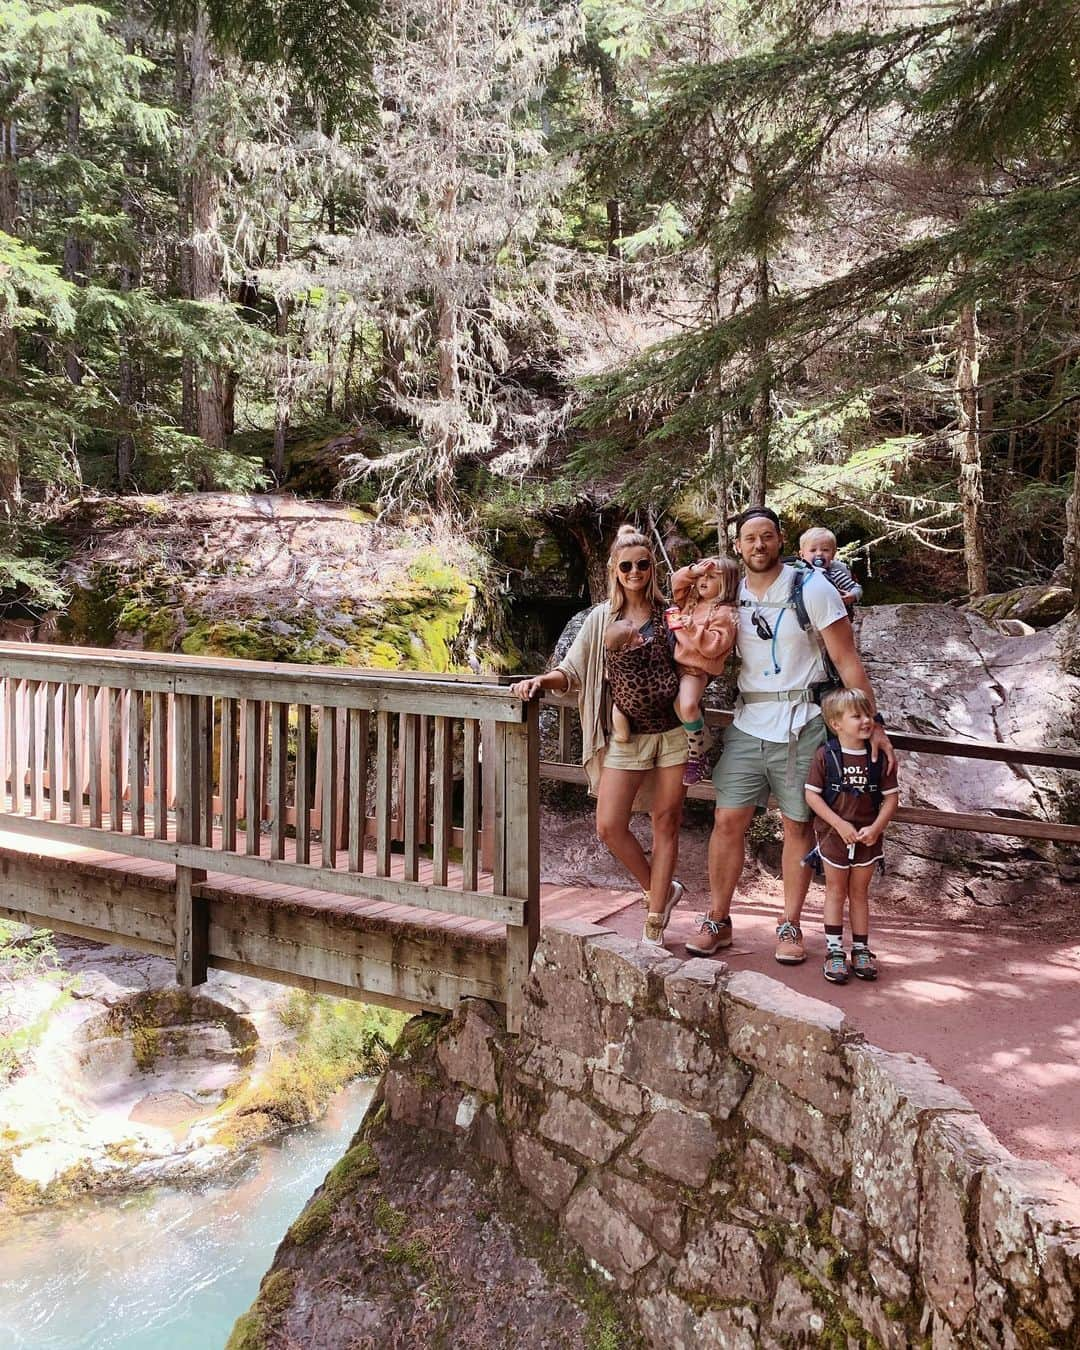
[[23, 955]]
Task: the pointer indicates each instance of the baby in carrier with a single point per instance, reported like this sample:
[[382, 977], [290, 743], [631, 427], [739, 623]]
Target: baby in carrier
[[817, 548]]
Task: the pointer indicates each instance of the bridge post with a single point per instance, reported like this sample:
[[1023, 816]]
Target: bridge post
[[192, 912], [519, 856]]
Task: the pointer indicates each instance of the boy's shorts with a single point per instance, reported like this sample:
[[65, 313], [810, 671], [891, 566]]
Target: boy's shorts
[[750, 768], [648, 750]]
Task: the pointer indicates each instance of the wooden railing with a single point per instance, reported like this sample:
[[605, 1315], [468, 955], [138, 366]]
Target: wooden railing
[[564, 769], [297, 775]]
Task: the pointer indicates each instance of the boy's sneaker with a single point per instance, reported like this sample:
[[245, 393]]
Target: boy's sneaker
[[789, 944], [836, 967], [696, 771], [656, 923], [863, 963], [712, 936]]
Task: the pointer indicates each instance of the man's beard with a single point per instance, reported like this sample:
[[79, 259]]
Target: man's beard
[[761, 563]]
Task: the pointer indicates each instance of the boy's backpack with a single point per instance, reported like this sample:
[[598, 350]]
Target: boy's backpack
[[834, 774]]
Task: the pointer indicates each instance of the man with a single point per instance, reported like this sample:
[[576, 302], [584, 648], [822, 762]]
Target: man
[[778, 726]]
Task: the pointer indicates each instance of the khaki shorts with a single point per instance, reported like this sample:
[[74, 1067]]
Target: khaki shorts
[[749, 769], [648, 750]]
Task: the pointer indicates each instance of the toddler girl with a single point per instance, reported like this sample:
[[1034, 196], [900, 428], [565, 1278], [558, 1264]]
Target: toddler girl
[[706, 594]]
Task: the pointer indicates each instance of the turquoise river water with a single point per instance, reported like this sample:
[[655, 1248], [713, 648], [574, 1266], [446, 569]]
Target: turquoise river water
[[165, 1269]]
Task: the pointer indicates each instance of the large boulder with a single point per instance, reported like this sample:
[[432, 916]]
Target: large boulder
[[945, 672]]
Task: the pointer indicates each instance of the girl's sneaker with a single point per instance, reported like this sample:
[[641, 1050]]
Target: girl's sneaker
[[836, 968], [863, 963], [696, 771]]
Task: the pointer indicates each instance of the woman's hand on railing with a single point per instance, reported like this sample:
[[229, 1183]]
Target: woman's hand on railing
[[528, 689]]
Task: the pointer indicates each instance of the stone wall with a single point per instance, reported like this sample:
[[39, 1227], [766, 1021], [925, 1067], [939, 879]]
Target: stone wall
[[743, 1166]]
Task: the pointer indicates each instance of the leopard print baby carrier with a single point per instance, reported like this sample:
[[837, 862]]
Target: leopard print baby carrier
[[644, 682]]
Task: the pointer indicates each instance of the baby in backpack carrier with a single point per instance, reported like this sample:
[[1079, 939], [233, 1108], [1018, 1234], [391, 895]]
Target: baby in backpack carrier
[[817, 548], [853, 799]]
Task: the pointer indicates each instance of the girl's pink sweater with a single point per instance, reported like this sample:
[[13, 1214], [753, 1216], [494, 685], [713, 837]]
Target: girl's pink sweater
[[711, 627]]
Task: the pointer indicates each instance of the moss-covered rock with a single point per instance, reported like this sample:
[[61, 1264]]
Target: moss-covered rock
[[268, 578], [1039, 606]]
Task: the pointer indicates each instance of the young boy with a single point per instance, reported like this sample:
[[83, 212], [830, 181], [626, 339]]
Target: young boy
[[817, 548], [853, 801]]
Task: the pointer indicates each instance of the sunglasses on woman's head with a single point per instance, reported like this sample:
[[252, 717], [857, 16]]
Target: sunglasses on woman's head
[[641, 564]]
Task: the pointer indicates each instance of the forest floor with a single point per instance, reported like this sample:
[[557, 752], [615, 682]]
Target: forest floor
[[990, 997]]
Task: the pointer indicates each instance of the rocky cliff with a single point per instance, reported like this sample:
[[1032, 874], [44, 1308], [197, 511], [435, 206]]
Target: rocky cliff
[[736, 1165]]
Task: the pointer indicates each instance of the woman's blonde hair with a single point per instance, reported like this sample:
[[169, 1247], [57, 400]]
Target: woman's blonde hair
[[629, 536]]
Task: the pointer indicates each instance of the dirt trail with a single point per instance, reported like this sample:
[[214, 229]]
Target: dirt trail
[[994, 1006]]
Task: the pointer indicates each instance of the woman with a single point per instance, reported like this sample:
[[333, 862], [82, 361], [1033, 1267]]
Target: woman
[[656, 750]]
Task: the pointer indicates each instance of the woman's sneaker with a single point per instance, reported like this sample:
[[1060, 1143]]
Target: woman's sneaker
[[655, 924], [712, 936], [836, 968], [696, 771], [863, 963]]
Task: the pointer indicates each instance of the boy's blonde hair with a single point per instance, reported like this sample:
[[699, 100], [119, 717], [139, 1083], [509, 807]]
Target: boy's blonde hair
[[840, 701], [813, 533]]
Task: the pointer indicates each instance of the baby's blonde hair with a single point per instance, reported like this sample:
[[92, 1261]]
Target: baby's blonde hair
[[629, 536], [815, 532], [840, 701]]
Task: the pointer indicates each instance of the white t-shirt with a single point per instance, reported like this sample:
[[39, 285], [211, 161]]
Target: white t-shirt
[[795, 652]]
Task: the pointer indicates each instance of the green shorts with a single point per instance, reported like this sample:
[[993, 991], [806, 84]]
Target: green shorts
[[749, 769]]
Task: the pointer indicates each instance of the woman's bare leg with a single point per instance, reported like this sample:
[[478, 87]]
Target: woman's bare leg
[[666, 822], [614, 800]]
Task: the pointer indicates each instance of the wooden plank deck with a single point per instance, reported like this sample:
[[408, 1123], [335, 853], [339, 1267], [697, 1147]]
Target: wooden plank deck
[[358, 947]]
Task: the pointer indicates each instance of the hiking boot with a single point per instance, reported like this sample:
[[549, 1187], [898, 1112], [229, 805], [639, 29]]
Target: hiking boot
[[863, 963], [696, 771], [836, 967], [789, 944], [655, 924], [712, 936]]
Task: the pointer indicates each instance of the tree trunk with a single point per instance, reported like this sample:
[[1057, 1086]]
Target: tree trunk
[[761, 418], [1072, 531], [10, 489], [73, 269], [970, 448], [447, 317], [283, 406], [206, 260], [719, 457], [182, 78], [620, 289]]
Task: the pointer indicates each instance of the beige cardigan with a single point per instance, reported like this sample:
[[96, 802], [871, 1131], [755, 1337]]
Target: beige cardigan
[[583, 666]]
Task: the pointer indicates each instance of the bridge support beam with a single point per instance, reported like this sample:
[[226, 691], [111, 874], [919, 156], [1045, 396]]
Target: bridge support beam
[[518, 858], [193, 784]]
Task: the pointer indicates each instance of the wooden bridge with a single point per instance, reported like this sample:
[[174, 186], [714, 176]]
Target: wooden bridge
[[362, 834]]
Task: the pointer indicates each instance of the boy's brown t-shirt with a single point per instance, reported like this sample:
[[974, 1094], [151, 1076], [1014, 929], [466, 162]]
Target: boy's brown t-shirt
[[857, 807]]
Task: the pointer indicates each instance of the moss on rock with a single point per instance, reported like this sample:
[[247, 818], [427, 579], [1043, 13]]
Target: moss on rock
[[254, 1328]]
